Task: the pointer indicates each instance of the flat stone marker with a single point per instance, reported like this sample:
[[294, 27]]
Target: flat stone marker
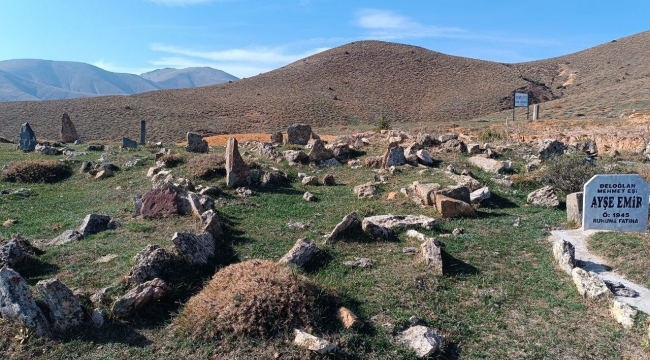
[[615, 202]]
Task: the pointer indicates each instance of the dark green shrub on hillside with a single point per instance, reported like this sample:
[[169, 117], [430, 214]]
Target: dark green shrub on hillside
[[46, 171]]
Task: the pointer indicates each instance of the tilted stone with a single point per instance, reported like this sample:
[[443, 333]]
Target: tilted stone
[[347, 318], [12, 254], [66, 237], [359, 262], [424, 157], [430, 250], [300, 253], [65, 309], [195, 249], [236, 168], [310, 180], [394, 157], [451, 208], [27, 138], [426, 192], [480, 195], [574, 207], [549, 148], [348, 223], [17, 303], [309, 197], [319, 152], [296, 157], [564, 253], [366, 190], [211, 224], [94, 223], [139, 296], [623, 313], [68, 131]]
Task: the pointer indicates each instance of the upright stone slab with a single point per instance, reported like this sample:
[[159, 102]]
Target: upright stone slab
[[143, 132], [68, 131], [616, 202], [574, 207], [27, 138], [236, 168], [195, 143]]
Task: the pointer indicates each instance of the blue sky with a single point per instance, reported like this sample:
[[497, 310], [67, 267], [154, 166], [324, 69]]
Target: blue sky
[[248, 37]]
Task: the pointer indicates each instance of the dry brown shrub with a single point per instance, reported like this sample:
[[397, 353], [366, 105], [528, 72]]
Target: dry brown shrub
[[172, 160], [207, 166], [47, 171], [256, 297]]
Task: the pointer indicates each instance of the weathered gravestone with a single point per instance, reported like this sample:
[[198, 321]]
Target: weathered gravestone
[[27, 138], [616, 202], [68, 131]]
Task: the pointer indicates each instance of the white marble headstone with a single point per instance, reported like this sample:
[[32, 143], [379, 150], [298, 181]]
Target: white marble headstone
[[616, 202]]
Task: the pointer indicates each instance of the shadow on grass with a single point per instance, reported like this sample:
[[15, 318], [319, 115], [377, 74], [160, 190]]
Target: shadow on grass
[[455, 267], [499, 202], [111, 333], [318, 261], [32, 269]]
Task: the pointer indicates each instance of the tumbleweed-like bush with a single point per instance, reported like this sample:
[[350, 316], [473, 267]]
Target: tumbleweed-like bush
[[47, 171], [256, 297]]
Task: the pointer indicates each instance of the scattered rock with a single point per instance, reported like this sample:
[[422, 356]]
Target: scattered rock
[[150, 264], [473, 149], [68, 131], [381, 226], [94, 223], [421, 339], [95, 147], [349, 223], [446, 137], [426, 192], [195, 249], [454, 146], [319, 152], [66, 237], [9, 222], [328, 180], [623, 313], [550, 147], [310, 181], [410, 250], [533, 165], [424, 158], [211, 225], [46, 150], [451, 208], [17, 303], [480, 195], [618, 289], [104, 174], [394, 157], [244, 191], [139, 297], [299, 254], [196, 143], [457, 192], [489, 165], [359, 262], [590, 285], [348, 318], [373, 162], [65, 310], [277, 138], [458, 231], [544, 197], [313, 343], [367, 190], [295, 157], [564, 253], [430, 250], [329, 163], [237, 173], [309, 197]]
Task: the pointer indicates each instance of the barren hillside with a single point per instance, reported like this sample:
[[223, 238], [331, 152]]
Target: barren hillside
[[357, 83]]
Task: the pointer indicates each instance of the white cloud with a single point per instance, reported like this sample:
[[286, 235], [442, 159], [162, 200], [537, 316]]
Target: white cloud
[[388, 25], [120, 69], [180, 2], [239, 62]]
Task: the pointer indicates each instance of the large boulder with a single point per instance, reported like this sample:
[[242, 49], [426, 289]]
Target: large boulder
[[237, 173], [18, 305], [394, 157], [195, 249], [300, 253], [421, 339], [426, 192], [296, 157], [12, 254], [544, 197], [211, 225], [168, 199], [65, 310], [68, 131], [299, 134], [195, 143], [313, 343], [139, 296]]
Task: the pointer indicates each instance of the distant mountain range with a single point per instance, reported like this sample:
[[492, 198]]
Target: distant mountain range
[[30, 80]]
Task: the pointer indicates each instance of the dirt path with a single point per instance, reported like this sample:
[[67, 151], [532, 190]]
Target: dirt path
[[596, 264]]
